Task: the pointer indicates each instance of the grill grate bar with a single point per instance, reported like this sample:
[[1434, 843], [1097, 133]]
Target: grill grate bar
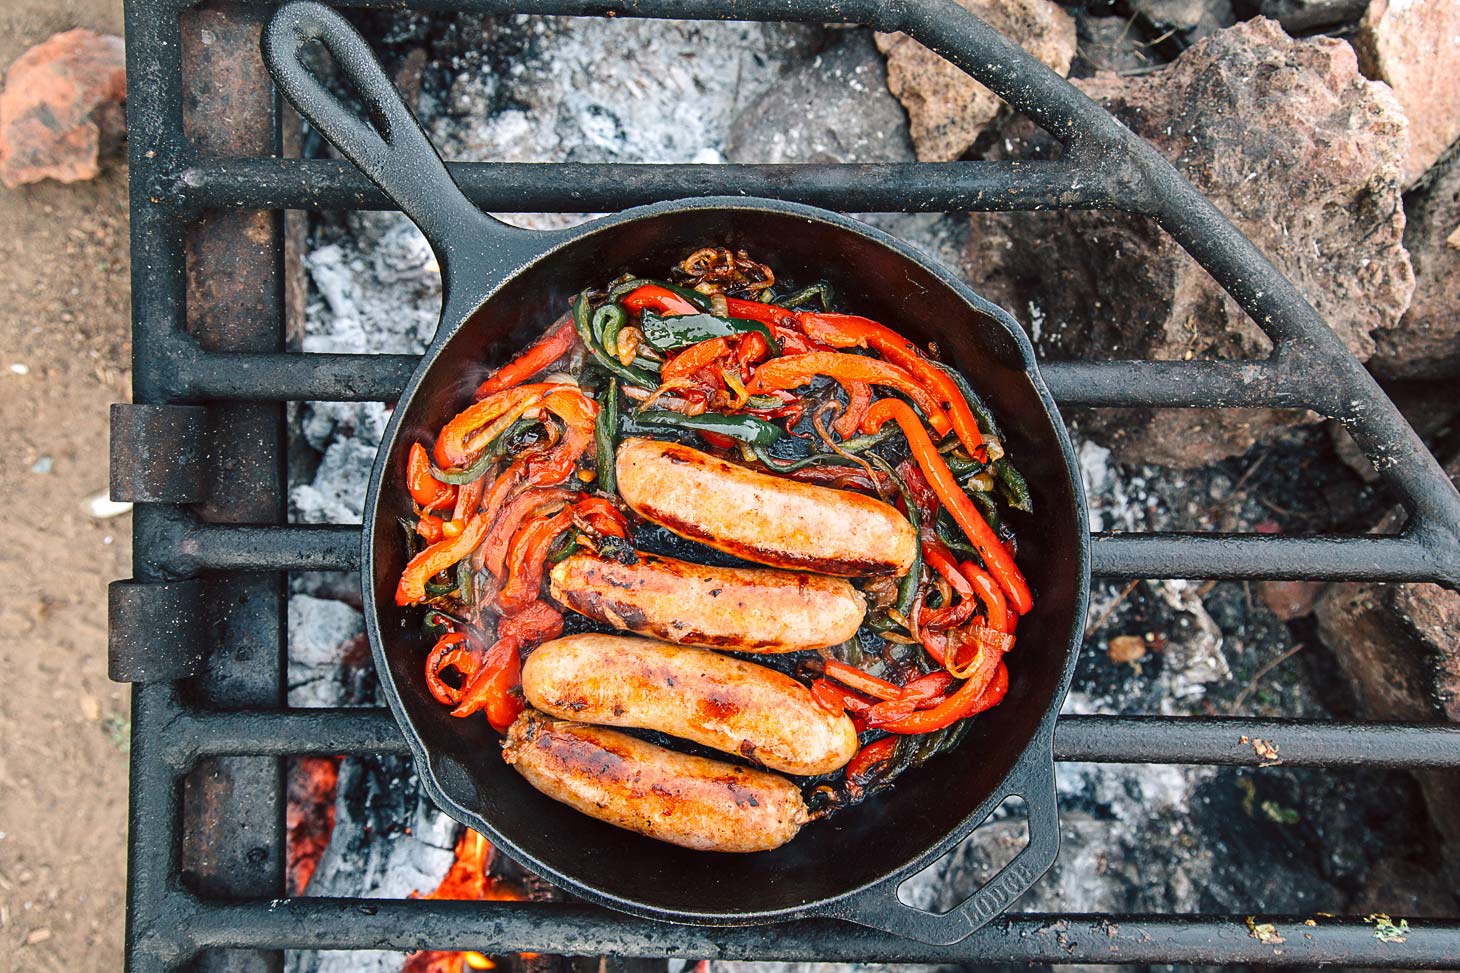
[[186, 548], [506, 927], [227, 376], [1095, 739], [597, 187]]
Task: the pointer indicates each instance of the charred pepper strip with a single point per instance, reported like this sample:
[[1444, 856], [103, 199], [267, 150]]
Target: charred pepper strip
[[997, 559], [852, 331], [867, 760], [746, 429], [860, 680], [680, 330], [797, 370], [907, 588], [491, 688], [1012, 486], [479, 424], [601, 358], [493, 549], [429, 492], [548, 349], [605, 435], [451, 651], [437, 558], [684, 365]]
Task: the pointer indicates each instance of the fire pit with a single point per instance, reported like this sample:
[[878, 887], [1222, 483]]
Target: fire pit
[[200, 629]]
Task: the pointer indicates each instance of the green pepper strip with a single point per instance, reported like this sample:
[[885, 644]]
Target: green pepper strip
[[607, 321], [907, 588], [682, 330], [701, 301], [950, 534], [605, 431], [464, 586], [634, 376], [747, 429], [435, 589], [821, 289], [791, 466], [1012, 486]]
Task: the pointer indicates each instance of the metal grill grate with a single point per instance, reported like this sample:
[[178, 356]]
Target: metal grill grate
[[202, 452]]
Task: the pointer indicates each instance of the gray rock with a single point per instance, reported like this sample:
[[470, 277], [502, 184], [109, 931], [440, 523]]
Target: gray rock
[[1192, 19], [1295, 146], [1298, 16], [834, 108], [1426, 344]]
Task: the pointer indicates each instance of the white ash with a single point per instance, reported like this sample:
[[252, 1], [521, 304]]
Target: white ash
[[321, 634]]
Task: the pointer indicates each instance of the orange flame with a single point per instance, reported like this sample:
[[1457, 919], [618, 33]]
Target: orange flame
[[468, 878]]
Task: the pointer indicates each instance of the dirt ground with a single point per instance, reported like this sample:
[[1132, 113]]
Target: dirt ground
[[63, 726]]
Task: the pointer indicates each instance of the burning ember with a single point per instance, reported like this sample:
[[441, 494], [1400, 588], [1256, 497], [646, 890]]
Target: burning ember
[[469, 878], [313, 782]]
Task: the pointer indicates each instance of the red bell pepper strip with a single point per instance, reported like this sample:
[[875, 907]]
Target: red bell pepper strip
[[684, 365], [1000, 618], [922, 692], [941, 479], [972, 698], [657, 298], [548, 349], [844, 477], [481, 422], [852, 331], [451, 651], [579, 413], [469, 499], [598, 514], [860, 680], [437, 558], [491, 689], [767, 314], [839, 699], [493, 551], [868, 759], [526, 558], [794, 371], [429, 492], [938, 556], [429, 527]]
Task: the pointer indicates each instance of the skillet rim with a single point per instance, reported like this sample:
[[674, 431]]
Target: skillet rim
[[525, 248]]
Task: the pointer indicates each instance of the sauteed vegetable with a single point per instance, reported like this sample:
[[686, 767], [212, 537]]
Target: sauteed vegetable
[[717, 463]]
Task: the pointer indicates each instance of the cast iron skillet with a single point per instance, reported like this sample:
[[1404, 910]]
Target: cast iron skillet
[[504, 285]]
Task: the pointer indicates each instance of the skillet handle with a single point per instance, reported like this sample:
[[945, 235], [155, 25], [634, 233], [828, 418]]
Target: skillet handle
[[388, 144], [880, 908]]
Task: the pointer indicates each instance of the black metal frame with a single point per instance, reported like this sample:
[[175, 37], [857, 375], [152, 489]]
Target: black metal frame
[[211, 544]]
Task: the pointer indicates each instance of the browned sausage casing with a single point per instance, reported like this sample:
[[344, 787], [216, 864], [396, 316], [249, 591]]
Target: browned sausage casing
[[702, 804], [760, 517], [748, 609], [729, 704]]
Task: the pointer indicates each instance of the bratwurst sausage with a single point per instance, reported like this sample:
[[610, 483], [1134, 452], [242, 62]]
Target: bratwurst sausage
[[729, 704], [747, 609], [702, 804], [763, 518]]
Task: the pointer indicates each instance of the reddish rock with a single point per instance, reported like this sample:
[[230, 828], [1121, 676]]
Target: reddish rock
[[1414, 46], [1289, 599], [946, 108], [61, 112], [1396, 645], [1427, 342], [1293, 144]]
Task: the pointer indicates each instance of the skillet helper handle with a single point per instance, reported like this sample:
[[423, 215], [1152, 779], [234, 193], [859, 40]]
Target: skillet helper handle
[[388, 144], [880, 908]]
